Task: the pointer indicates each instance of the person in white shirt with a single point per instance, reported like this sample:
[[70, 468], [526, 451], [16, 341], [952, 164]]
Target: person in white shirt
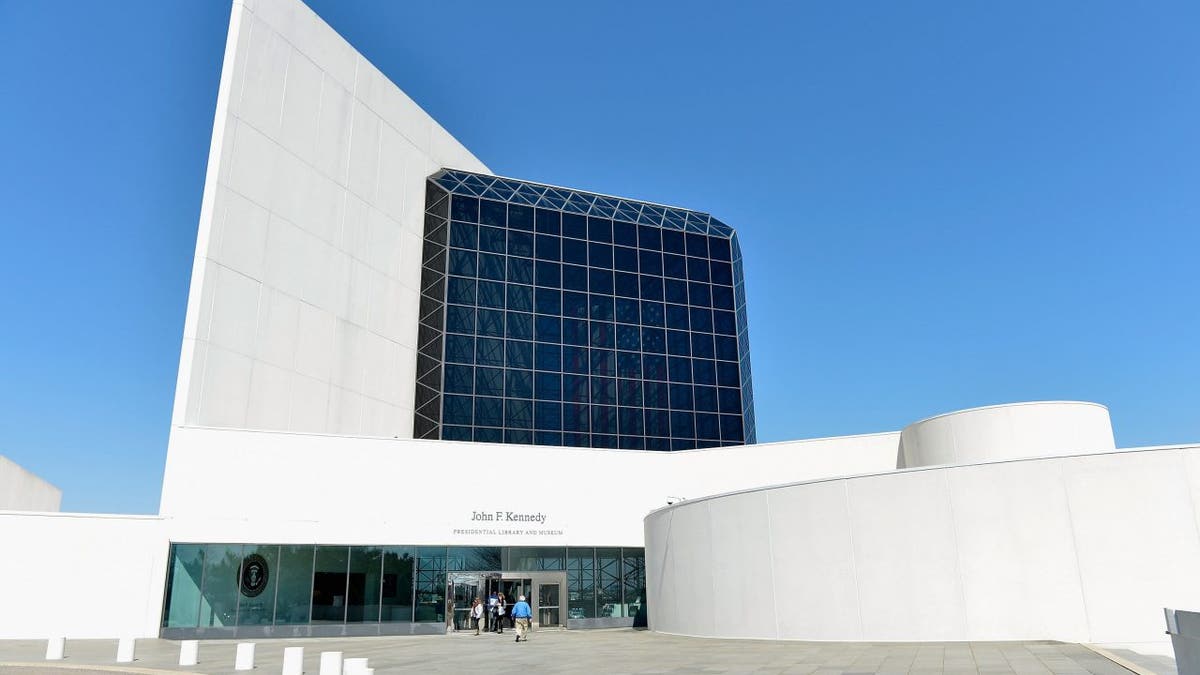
[[477, 614]]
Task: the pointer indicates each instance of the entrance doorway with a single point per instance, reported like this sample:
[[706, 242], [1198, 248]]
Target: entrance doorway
[[542, 590]]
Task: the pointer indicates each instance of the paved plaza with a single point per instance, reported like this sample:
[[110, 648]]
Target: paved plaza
[[596, 651]]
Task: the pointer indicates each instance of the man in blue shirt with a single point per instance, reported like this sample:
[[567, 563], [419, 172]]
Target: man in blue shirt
[[521, 613]]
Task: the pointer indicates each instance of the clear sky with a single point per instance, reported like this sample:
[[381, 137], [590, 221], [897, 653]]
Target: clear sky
[[942, 204]]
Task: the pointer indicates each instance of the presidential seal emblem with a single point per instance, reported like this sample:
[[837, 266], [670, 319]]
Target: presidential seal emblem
[[254, 575]]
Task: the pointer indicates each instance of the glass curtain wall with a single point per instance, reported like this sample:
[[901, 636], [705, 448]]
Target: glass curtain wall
[[266, 589], [559, 317]]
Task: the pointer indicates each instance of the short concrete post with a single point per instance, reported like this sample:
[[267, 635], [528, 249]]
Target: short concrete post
[[331, 663], [56, 648], [293, 660], [189, 652], [354, 667], [245, 656], [125, 647]]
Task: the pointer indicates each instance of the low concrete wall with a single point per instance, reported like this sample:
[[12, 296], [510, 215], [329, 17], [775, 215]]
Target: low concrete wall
[[81, 576]]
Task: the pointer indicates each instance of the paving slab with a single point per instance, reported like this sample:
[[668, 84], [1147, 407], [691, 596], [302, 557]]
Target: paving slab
[[586, 651]]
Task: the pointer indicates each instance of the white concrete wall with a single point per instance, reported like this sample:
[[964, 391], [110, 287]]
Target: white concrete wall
[[1083, 549], [231, 486], [81, 576], [21, 490], [1010, 431], [303, 303]]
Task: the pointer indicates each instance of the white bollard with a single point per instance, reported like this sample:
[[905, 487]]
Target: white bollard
[[331, 663], [369, 671], [245, 656], [354, 667], [189, 652], [293, 660], [125, 650], [56, 648]]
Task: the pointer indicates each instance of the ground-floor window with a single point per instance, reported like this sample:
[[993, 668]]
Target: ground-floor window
[[282, 590]]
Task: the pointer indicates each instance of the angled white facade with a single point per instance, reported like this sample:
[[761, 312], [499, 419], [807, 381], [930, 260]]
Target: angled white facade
[[21, 490], [302, 309], [294, 415]]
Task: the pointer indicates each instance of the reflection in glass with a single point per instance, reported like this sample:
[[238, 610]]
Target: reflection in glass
[[295, 582], [218, 604], [183, 586], [218, 585], [581, 583], [363, 584], [534, 559], [430, 587], [633, 570], [595, 275], [399, 563], [608, 583]]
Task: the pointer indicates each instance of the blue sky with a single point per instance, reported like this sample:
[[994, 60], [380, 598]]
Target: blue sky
[[942, 205]]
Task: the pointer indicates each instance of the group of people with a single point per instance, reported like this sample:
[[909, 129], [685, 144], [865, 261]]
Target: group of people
[[496, 611]]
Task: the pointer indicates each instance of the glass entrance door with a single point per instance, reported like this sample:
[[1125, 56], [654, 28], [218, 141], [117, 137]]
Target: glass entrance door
[[542, 590], [548, 614], [462, 591], [512, 588]]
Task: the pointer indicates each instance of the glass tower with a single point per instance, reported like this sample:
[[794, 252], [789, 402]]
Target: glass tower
[[557, 317]]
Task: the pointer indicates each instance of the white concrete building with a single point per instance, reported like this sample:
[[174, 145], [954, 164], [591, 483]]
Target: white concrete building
[[364, 291], [20, 490]]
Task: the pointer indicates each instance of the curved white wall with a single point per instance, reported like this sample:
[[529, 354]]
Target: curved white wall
[[1012, 431], [1082, 549]]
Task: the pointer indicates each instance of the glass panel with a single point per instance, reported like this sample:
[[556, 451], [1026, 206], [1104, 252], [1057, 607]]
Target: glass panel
[[463, 235], [430, 587], [520, 217], [464, 208], [491, 212], [520, 270], [256, 607], [218, 604], [294, 595], [362, 595], [183, 586], [474, 558], [574, 251], [491, 239], [491, 323], [548, 274], [633, 570], [581, 583], [520, 244], [519, 383], [329, 584], [548, 416], [608, 583], [531, 559]]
